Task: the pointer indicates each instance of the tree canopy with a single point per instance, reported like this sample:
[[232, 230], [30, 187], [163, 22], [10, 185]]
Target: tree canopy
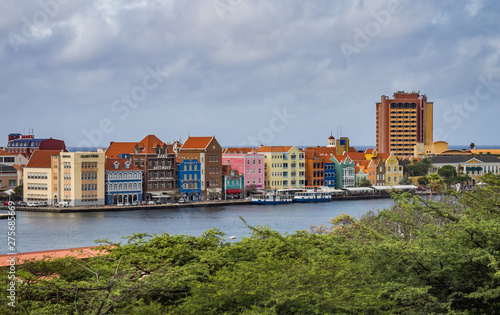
[[422, 256]]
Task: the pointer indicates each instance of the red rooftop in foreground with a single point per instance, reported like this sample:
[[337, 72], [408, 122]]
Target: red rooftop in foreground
[[79, 252]]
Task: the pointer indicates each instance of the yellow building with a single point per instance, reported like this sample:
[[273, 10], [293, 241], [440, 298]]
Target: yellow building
[[76, 178], [284, 166], [80, 178], [38, 177], [393, 172]]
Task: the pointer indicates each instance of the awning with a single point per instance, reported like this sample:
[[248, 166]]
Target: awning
[[234, 191]]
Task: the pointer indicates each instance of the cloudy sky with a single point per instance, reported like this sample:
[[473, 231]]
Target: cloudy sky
[[279, 72]]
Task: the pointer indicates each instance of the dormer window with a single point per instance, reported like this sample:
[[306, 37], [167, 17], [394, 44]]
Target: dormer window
[[116, 165], [127, 165]]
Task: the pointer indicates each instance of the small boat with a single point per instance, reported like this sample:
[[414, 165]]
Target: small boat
[[273, 199], [312, 196]]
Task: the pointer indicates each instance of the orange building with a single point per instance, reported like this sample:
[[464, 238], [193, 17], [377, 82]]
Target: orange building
[[402, 122], [315, 169]]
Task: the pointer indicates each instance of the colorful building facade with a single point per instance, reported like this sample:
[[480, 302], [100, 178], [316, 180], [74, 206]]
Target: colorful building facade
[[189, 179], [345, 171], [123, 182], [393, 172], [233, 183], [157, 161], [247, 163], [284, 166], [208, 152]]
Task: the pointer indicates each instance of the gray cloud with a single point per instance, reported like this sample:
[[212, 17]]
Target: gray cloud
[[228, 63]]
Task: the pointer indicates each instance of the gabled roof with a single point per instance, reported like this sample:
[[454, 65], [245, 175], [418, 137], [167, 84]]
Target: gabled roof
[[237, 150], [42, 158], [369, 151], [117, 148], [148, 145], [197, 142], [226, 170], [110, 162], [343, 158], [276, 149]]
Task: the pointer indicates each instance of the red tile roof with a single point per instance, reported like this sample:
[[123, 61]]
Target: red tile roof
[[117, 148], [328, 151], [2, 152], [273, 149], [356, 156], [42, 158], [369, 151], [148, 145], [110, 162], [197, 142]]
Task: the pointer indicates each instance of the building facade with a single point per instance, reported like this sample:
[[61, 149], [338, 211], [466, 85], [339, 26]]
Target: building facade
[[475, 167], [208, 152], [247, 163], [345, 171], [189, 179], [315, 169], [78, 178], [402, 122], [157, 161], [232, 183], [284, 167], [329, 172], [376, 172], [393, 172], [8, 177], [38, 181], [123, 182]]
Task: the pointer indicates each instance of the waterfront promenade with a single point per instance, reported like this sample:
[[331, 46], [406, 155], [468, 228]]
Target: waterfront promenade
[[200, 204]]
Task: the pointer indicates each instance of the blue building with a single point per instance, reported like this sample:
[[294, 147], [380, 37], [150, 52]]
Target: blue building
[[189, 179], [123, 182], [329, 173]]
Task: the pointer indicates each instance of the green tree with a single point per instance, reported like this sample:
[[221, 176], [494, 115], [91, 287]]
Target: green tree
[[448, 173], [422, 181], [405, 181], [364, 183]]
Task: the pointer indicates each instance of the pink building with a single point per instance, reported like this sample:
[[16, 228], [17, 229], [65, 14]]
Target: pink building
[[247, 163]]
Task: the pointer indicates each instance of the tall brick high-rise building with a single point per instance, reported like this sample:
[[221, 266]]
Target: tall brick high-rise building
[[403, 121]]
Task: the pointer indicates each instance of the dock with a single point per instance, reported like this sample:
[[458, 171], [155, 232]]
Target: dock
[[201, 204]]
